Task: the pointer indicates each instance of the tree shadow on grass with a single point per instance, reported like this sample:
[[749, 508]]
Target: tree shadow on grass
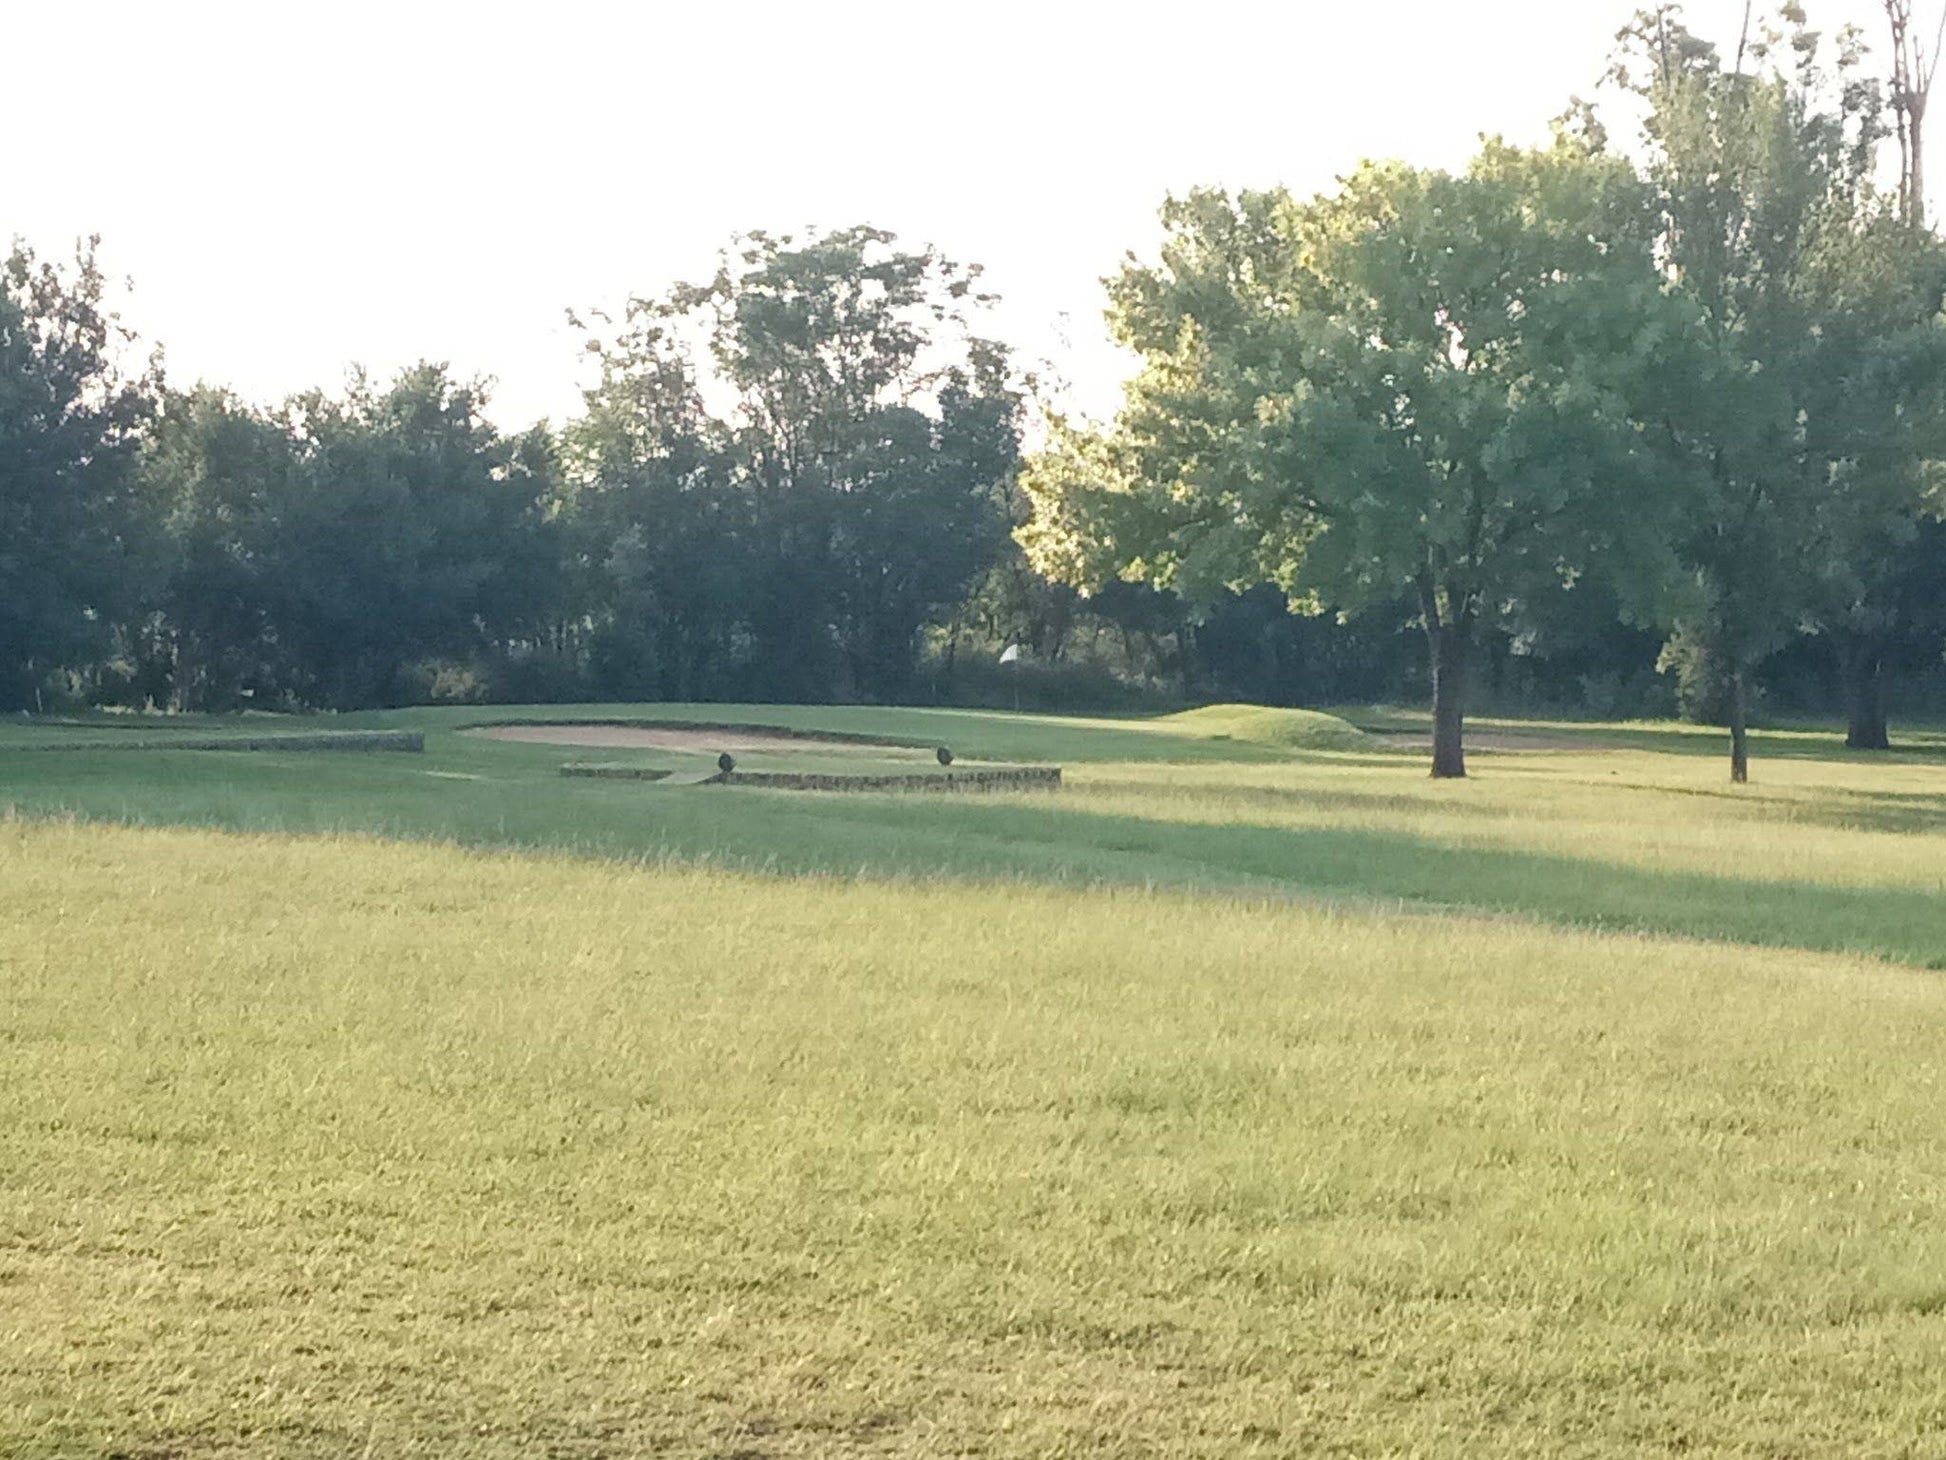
[[1842, 808], [1904, 812], [1030, 838], [1904, 924], [1922, 748]]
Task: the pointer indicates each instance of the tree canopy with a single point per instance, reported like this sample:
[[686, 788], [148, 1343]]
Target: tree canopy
[[73, 408], [832, 474], [1420, 384], [1803, 429]]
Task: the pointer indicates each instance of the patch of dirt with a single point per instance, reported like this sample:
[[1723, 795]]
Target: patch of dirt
[[1501, 740], [701, 739]]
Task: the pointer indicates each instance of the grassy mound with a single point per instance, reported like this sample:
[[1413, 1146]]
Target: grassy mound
[[1278, 729]]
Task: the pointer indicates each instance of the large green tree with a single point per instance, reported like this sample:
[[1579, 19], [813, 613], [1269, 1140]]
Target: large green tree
[[1806, 416], [72, 410], [1874, 414], [216, 472], [407, 528], [659, 534], [829, 478], [1420, 385]]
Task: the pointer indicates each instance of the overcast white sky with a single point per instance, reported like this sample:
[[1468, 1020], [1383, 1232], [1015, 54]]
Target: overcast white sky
[[297, 187]]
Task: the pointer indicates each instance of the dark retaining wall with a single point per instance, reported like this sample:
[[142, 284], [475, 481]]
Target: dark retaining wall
[[410, 741], [1013, 778]]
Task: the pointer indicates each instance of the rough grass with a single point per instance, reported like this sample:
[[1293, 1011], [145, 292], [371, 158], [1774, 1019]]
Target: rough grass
[[334, 1147]]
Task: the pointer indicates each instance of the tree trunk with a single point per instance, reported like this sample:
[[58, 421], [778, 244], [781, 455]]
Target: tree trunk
[[1450, 648], [1865, 698], [1739, 725], [1916, 184], [1913, 68]]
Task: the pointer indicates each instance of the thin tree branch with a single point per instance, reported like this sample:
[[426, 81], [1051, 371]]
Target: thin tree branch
[[1930, 65]]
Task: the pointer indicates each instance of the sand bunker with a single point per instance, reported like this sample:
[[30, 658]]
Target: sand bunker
[[702, 738]]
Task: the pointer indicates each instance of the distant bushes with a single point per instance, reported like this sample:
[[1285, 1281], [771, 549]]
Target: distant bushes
[[980, 682]]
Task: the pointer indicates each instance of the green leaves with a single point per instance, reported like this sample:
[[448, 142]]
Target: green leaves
[[1422, 374], [1422, 385], [71, 418], [1808, 405], [845, 480]]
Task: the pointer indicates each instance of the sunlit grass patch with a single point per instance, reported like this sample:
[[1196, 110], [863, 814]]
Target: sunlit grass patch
[[315, 1147]]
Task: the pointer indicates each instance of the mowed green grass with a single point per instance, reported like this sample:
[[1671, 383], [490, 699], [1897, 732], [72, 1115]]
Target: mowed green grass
[[1823, 851], [328, 1147]]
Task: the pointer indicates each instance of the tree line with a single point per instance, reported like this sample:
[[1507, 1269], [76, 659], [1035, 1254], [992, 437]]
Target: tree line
[[781, 524], [1604, 427], [795, 481]]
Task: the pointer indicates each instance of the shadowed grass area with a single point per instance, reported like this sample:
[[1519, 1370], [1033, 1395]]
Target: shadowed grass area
[[334, 1147]]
